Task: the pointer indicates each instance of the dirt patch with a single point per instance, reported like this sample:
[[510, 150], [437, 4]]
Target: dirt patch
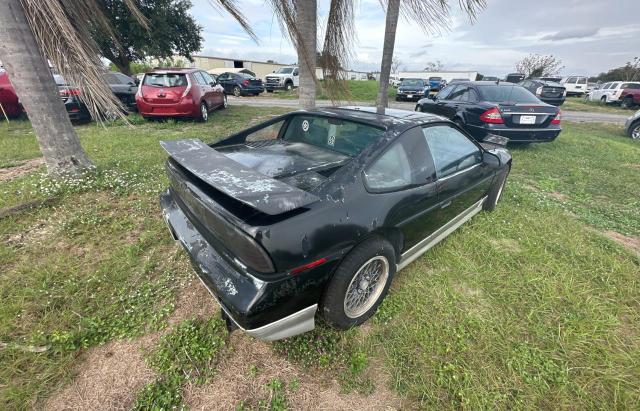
[[632, 243], [236, 383], [558, 196], [506, 244], [28, 166], [108, 378], [193, 301], [476, 302], [634, 166]]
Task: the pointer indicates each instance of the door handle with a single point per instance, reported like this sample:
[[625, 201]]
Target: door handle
[[445, 205]]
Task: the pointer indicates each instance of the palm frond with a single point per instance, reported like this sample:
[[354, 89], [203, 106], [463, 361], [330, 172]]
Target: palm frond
[[433, 16], [337, 49], [231, 7], [62, 30]]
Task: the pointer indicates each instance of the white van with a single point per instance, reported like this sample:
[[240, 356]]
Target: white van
[[575, 85]]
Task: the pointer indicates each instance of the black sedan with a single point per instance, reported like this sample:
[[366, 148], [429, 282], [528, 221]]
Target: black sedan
[[486, 108], [124, 87], [240, 84], [548, 91], [70, 96], [317, 210], [412, 89]]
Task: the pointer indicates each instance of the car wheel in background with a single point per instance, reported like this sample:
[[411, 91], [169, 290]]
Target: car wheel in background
[[269, 91], [359, 284], [204, 112], [236, 91], [288, 86], [627, 102], [603, 100], [225, 102], [495, 192], [634, 131]]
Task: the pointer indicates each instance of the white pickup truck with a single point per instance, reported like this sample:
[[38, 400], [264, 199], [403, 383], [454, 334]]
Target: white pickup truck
[[285, 78]]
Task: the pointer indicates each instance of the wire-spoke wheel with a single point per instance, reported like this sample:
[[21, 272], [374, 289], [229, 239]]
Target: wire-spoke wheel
[[635, 132], [204, 112], [366, 286], [359, 284]]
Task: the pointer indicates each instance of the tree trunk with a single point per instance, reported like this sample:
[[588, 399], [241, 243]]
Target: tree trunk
[[393, 11], [306, 17], [31, 78]]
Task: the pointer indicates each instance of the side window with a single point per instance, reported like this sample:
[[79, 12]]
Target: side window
[[222, 77], [295, 72], [111, 78], [207, 77], [270, 132], [473, 96], [457, 94], [452, 151], [572, 80], [404, 164], [582, 80], [605, 86], [199, 79], [444, 94]]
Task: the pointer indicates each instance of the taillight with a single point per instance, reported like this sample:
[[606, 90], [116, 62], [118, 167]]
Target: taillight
[[245, 82], [492, 116], [556, 119], [186, 91], [69, 92]]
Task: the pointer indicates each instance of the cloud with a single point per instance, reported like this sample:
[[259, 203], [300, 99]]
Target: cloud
[[571, 34]]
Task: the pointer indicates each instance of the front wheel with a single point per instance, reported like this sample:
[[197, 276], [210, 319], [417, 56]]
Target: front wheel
[[634, 131], [225, 103], [359, 284], [204, 112], [603, 100], [236, 91], [495, 192], [288, 87], [627, 102]]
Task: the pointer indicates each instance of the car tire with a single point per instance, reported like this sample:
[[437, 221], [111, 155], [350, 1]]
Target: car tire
[[495, 192], [225, 102], [288, 86], [634, 131], [269, 91], [204, 113], [603, 99], [236, 91], [340, 305], [627, 102], [418, 108]]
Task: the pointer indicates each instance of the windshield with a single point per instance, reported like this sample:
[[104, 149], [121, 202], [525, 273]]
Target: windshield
[[507, 94], [285, 70], [165, 80], [338, 135], [412, 82]]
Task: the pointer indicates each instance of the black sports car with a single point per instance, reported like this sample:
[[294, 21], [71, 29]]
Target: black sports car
[[485, 109], [318, 209]]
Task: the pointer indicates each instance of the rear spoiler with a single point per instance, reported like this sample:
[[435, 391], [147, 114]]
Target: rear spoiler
[[242, 183]]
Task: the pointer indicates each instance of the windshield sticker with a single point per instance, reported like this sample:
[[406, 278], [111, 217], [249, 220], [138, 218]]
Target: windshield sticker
[[305, 125]]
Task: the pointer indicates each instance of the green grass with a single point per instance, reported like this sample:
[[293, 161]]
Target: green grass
[[530, 306], [357, 90], [579, 104]]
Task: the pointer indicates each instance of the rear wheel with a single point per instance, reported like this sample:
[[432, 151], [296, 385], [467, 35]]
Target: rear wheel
[[359, 284], [204, 112], [269, 91], [634, 131], [603, 100], [288, 86], [496, 191], [236, 91]]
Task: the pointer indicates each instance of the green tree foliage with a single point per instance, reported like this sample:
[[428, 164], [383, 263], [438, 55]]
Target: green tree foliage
[[628, 72], [171, 31]]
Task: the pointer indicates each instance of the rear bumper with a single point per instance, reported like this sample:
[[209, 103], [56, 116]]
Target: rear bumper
[[516, 135], [267, 310], [251, 90], [181, 109], [77, 111], [555, 101]]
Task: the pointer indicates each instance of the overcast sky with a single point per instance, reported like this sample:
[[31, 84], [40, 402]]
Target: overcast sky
[[589, 36]]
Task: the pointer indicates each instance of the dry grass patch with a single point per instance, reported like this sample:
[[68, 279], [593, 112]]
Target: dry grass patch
[[10, 173], [632, 243]]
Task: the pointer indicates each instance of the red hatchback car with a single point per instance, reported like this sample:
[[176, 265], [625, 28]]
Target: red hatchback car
[[179, 92], [8, 98]]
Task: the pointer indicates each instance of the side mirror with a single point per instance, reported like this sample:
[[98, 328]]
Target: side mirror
[[490, 159], [136, 82], [213, 83]]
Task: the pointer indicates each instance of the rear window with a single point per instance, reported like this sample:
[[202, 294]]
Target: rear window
[[245, 75], [506, 94], [634, 86], [412, 82], [165, 80], [342, 136]]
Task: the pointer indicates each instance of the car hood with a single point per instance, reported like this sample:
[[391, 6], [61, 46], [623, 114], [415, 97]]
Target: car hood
[[277, 75]]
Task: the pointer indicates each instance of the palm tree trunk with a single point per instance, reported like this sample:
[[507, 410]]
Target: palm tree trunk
[[30, 76], [306, 17], [393, 11]]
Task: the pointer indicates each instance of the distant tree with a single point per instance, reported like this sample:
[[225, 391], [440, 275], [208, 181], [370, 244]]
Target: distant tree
[[395, 65], [628, 72], [537, 65], [433, 66], [171, 31]]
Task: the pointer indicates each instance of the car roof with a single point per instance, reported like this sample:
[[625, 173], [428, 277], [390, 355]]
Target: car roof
[[162, 70], [391, 119]]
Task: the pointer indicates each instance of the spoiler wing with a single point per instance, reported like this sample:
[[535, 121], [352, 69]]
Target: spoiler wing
[[246, 185]]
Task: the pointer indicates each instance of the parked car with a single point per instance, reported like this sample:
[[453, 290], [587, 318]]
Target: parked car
[[630, 95], [412, 89], [485, 108], [394, 81], [285, 78], [190, 93], [8, 97], [575, 85], [124, 87], [436, 83], [317, 210], [490, 78], [632, 126], [615, 92], [552, 79], [240, 84], [70, 95], [458, 80], [515, 78], [548, 91]]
